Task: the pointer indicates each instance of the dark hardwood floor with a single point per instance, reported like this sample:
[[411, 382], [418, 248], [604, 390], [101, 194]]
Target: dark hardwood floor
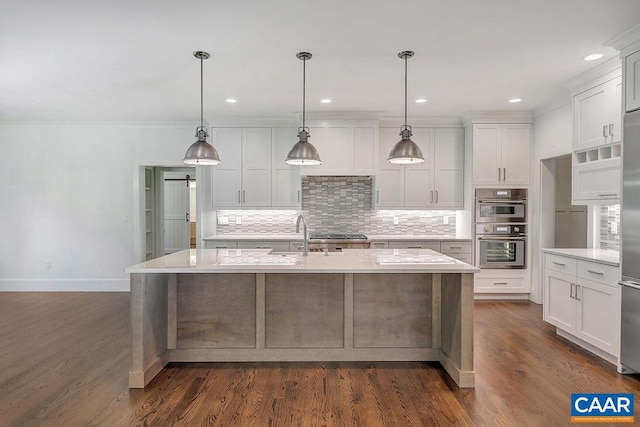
[[64, 361]]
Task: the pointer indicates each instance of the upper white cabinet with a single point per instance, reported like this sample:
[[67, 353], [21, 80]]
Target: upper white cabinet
[[243, 179], [501, 154], [435, 184], [597, 115], [597, 137], [632, 81], [345, 147], [285, 185]]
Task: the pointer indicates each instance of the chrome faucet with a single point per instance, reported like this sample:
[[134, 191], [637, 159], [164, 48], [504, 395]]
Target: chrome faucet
[[305, 240]]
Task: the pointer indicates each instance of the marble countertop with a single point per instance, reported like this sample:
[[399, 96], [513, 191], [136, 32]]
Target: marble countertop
[[298, 236], [264, 260], [604, 256]]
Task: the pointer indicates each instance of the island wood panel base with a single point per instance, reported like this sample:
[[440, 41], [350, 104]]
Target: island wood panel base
[[301, 317]]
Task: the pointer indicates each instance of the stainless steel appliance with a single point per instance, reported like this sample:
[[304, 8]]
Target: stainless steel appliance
[[336, 242], [499, 205], [501, 245], [630, 242]]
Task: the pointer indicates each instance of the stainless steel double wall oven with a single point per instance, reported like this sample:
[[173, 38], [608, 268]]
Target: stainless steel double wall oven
[[501, 229]]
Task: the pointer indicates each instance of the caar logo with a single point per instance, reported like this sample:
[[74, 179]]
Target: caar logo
[[602, 408]]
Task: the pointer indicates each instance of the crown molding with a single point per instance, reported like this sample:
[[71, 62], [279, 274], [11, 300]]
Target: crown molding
[[601, 73], [94, 123], [421, 121], [628, 41], [557, 103], [497, 117]]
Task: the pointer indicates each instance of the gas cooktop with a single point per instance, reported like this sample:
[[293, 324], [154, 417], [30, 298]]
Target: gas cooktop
[[337, 236]]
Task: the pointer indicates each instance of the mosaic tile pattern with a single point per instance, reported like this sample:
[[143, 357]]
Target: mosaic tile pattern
[[340, 204], [609, 214]]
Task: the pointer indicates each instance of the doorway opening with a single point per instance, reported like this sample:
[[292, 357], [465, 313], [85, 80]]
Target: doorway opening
[[169, 210]]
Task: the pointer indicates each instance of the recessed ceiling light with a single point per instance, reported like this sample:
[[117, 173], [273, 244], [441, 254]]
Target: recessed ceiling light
[[231, 100], [592, 57], [421, 100], [515, 100], [325, 101]]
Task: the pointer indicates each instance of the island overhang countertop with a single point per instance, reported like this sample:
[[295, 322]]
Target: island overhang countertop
[[265, 260], [235, 305]]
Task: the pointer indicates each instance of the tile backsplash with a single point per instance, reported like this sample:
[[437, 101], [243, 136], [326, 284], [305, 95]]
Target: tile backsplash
[[340, 204], [610, 227]]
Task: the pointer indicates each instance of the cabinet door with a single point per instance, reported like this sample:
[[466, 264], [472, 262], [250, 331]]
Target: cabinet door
[[256, 167], [418, 179], [515, 154], [448, 177], [365, 155], [390, 178], [598, 182], [486, 146], [560, 308], [335, 147], [615, 131], [598, 315], [226, 179], [285, 189], [590, 110], [632, 82]]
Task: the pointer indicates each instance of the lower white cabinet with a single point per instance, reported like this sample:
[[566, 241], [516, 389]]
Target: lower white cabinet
[[220, 244], [276, 245], [582, 298], [459, 250], [415, 245], [498, 281]]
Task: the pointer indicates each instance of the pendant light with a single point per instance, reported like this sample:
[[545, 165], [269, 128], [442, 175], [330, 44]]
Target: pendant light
[[303, 152], [201, 153], [406, 151]]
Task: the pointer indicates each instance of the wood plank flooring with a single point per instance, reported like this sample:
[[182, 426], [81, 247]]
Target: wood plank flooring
[[64, 361]]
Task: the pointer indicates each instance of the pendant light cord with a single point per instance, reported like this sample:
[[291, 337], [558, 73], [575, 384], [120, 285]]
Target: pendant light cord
[[304, 88], [405, 90], [201, 94]]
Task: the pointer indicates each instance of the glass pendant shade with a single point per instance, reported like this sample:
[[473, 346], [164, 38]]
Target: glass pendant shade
[[303, 152], [405, 152], [201, 153]]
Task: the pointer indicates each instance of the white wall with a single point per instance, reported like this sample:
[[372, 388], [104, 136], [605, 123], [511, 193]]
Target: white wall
[[69, 193], [552, 137]]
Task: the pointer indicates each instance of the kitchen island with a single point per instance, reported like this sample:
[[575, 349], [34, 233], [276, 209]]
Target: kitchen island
[[220, 305]]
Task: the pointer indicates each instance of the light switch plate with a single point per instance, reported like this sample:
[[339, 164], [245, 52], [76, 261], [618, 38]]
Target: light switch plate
[[238, 220], [614, 228], [223, 220], [396, 220]]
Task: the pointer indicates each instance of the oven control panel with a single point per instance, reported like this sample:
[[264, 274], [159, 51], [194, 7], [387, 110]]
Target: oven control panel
[[501, 229]]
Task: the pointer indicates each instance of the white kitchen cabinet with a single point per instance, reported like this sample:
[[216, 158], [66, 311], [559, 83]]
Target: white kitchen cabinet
[[346, 147], [492, 281], [597, 114], [501, 154], [435, 184], [275, 245], [459, 250], [286, 183], [220, 244], [411, 244], [243, 179], [582, 298], [632, 82]]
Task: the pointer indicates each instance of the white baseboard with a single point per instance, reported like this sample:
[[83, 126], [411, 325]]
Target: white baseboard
[[64, 285], [523, 297]]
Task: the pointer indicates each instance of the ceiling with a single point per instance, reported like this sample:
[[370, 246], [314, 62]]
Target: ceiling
[[132, 60]]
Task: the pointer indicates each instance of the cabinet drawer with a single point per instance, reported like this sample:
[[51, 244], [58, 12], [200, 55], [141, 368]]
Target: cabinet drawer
[[502, 284], [462, 257], [224, 244], [602, 273], [560, 263], [415, 245], [379, 245], [455, 247]]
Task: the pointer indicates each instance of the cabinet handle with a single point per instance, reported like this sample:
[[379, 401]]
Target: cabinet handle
[[187, 216], [608, 194], [436, 196], [377, 196], [239, 197], [577, 290], [504, 174], [298, 196], [455, 247], [611, 129], [604, 131], [500, 283], [599, 273], [431, 196], [414, 247], [244, 196], [561, 264], [572, 291], [499, 176]]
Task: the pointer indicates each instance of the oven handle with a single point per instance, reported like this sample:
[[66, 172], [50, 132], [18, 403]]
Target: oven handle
[[509, 202], [523, 238]]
